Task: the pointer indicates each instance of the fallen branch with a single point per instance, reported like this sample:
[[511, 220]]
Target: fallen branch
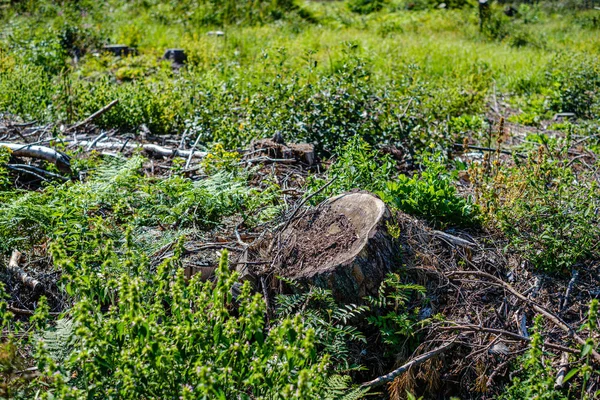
[[453, 239], [562, 372], [153, 149], [21, 311], [412, 363], [501, 332], [489, 149], [93, 116], [555, 319], [13, 267], [61, 160], [38, 172]]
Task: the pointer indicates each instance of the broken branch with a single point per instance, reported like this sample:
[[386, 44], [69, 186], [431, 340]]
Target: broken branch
[[412, 363], [93, 116], [13, 267], [555, 319], [61, 160]]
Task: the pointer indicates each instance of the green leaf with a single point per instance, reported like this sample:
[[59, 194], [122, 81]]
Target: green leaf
[[571, 374]]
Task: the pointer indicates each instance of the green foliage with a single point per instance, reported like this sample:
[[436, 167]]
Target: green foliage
[[332, 322], [162, 337], [544, 207], [357, 166], [537, 378], [431, 195], [391, 315], [4, 159], [575, 85], [117, 194], [366, 6]]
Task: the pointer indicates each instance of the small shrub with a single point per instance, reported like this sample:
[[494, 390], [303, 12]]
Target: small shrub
[[357, 166], [431, 195], [162, 337], [366, 6], [545, 209]]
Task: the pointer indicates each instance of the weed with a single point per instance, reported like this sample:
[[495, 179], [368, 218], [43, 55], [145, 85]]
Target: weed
[[431, 194], [544, 208]]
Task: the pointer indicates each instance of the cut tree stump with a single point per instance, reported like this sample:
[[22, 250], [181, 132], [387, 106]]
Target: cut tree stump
[[342, 245]]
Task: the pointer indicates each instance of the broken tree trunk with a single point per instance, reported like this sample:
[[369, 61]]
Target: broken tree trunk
[[61, 160], [342, 245]]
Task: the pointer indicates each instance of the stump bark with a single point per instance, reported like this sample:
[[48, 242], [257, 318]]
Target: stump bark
[[343, 245]]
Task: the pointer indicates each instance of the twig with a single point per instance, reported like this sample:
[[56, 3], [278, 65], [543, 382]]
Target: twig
[[93, 143], [574, 276], [307, 198], [413, 363], [22, 311], [13, 267], [189, 160], [512, 335], [562, 372], [555, 319], [453, 239], [93, 116], [12, 167]]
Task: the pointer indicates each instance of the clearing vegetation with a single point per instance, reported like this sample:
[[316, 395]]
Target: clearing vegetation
[[299, 199]]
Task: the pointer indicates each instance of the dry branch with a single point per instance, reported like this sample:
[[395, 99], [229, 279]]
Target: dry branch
[[512, 335], [93, 116], [412, 363], [61, 160], [153, 149], [555, 319], [13, 267]]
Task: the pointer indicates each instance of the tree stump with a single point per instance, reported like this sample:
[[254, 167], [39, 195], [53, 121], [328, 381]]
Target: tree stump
[[343, 245]]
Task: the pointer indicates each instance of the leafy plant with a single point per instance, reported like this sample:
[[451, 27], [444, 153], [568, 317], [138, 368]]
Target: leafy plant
[[431, 194], [391, 316], [357, 166], [162, 336], [332, 322], [537, 379], [544, 208]]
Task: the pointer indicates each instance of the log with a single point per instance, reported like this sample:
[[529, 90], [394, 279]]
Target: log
[[343, 246], [61, 160]]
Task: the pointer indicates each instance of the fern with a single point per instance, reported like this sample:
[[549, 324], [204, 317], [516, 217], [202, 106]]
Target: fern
[[330, 321], [340, 389], [59, 340]]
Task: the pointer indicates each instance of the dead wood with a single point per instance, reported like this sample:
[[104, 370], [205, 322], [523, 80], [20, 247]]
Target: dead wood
[[149, 148], [13, 268], [93, 116], [508, 334], [62, 161], [555, 319], [412, 363]]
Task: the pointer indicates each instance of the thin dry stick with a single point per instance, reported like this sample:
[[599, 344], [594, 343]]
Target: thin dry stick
[[93, 116], [13, 267], [512, 335], [412, 363], [562, 372], [546, 313]]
